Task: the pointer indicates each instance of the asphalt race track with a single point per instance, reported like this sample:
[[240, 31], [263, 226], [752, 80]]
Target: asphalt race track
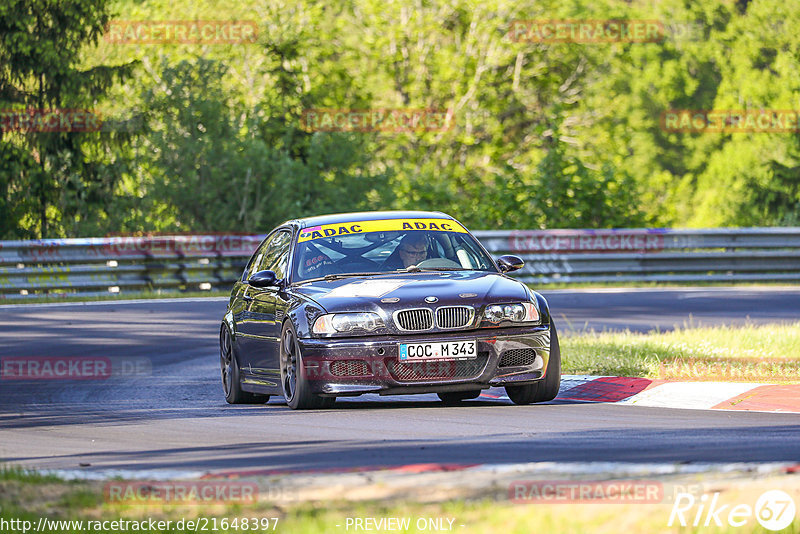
[[162, 407]]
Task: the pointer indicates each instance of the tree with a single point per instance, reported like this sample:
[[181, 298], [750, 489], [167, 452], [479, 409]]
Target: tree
[[221, 165], [62, 174]]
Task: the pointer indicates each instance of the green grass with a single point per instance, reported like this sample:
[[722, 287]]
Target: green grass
[[67, 297], [26, 495], [649, 285], [752, 353], [29, 476]]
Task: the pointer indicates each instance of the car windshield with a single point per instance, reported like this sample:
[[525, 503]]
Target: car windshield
[[387, 246]]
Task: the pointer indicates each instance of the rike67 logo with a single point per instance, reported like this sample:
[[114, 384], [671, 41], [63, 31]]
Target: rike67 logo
[[774, 510]]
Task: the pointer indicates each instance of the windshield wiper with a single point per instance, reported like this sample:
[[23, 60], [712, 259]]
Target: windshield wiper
[[348, 275], [415, 269]]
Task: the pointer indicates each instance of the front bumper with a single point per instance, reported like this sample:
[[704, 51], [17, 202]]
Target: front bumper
[[356, 365]]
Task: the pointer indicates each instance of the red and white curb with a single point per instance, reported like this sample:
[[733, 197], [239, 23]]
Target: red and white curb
[[676, 394]]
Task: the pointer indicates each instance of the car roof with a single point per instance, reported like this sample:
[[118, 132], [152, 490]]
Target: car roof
[[368, 216]]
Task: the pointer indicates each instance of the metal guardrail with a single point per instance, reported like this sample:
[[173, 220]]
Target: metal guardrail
[[99, 266], [102, 266], [651, 255]]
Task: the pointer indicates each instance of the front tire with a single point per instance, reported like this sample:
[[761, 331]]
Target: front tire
[[231, 379], [543, 390], [296, 389]]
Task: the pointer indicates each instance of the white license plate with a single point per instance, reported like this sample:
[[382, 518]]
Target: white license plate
[[453, 350]]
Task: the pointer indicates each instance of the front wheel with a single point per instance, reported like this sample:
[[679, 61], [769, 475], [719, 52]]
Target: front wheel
[[296, 389], [231, 379], [543, 390]]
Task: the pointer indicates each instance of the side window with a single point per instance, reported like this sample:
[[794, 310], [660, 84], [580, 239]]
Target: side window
[[255, 262], [273, 255], [278, 253]]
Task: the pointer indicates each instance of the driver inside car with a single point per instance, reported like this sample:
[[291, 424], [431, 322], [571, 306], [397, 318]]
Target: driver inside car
[[413, 249]]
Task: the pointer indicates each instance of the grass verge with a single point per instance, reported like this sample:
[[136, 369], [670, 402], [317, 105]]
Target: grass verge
[[67, 297], [751, 353], [655, 285], [27, 498]]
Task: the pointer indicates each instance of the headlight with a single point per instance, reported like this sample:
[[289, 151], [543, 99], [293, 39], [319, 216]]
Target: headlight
[[334, 323], [523, 312]]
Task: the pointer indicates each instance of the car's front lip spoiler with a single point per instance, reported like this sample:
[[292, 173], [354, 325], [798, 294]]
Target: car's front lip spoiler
[[349, 389], [344, 390]]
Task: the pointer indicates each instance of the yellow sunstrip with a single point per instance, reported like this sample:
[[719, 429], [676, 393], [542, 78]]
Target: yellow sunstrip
[[383, 225]]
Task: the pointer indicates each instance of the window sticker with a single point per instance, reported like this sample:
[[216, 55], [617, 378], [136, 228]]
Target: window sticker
[[384, 225]]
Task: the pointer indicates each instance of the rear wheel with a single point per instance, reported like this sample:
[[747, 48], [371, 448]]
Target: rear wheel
[[231, 379], [543, 390], [296, 389], [454, 397]]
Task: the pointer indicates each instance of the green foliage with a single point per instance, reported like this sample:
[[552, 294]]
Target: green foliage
[[22, 474], [62, 179], [222, 167], [543, 135]]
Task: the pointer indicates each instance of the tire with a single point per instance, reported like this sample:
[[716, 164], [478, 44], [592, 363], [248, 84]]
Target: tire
[[543, 390], [231, 380], [294, 382], [454, 397]]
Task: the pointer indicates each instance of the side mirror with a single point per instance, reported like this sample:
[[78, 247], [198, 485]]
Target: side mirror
[[510, 263], [263, 279]]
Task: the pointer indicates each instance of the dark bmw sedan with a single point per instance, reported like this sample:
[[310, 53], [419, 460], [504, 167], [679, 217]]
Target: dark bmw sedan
[[393, 302]]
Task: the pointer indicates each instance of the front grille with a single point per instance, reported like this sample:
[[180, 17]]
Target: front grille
[[414, 320], [518, 357], [454, 316], [349, 368], [437, 369]]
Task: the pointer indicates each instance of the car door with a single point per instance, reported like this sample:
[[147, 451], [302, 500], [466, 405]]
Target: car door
[[244, 340], [265, 308]]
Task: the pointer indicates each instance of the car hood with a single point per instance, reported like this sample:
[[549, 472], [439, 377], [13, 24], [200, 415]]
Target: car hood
[[409, 290]]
